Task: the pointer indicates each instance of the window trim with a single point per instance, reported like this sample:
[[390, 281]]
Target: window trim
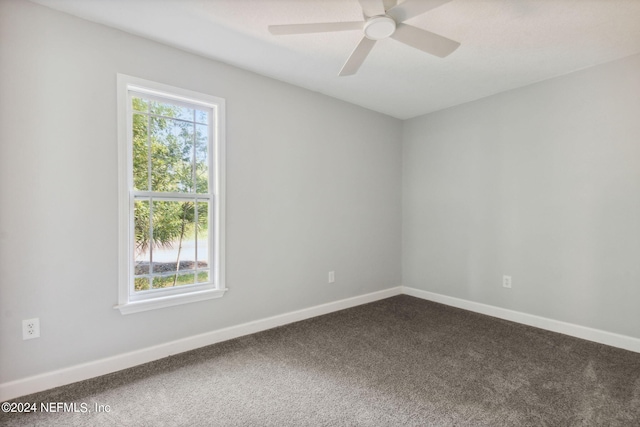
[[190, 293]]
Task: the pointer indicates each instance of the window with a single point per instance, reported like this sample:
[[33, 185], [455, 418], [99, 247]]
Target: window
[[171, 155]]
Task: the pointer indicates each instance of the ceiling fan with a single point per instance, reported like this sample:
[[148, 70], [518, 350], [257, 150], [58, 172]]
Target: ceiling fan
[[382, 19]]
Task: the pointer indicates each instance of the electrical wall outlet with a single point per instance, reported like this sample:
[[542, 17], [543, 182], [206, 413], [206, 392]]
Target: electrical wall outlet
[[332, 277], [30, 329], [506, 281]]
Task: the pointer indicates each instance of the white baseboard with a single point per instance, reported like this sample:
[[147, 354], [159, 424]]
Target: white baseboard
[[48, 380], [590, 334]]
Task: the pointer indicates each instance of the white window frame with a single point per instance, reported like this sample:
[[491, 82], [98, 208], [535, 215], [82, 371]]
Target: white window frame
[[128, 300]]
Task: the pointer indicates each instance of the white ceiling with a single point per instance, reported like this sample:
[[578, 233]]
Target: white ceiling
[[505, 43]]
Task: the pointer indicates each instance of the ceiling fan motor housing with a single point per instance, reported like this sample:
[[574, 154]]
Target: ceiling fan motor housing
[[379, 27]]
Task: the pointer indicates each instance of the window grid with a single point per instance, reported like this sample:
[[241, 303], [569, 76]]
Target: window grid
[[192, 195]]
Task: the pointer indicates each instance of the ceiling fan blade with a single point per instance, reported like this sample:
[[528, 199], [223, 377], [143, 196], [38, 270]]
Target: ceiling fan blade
[[388, 4], [424, 40], [326, 27], [357, 57], [410, 8], [372, 7]]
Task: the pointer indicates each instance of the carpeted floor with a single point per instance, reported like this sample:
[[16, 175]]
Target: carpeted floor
[[400, 361]]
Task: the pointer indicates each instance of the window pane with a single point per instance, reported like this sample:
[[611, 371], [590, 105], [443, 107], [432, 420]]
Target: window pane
[[203, 235], [139, 104], [171, 155], [141, 248], [202, 158], [141, 284], [174, 239], [202, 117], [203, 276], [185, 279], [173, 225], [172, 280], [162, 282], [171, 110], [140, 152], [188, 252]]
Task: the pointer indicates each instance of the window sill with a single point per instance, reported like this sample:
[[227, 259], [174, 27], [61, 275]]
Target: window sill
[[169, 301]]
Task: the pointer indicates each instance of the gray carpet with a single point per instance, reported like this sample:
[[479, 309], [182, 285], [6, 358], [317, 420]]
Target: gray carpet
[[400, 361]]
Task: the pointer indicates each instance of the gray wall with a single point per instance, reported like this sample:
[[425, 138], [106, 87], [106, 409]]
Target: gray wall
[[541, 183], [312, 185]]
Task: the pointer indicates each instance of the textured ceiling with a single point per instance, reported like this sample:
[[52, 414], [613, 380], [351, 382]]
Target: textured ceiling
[[505, 43]]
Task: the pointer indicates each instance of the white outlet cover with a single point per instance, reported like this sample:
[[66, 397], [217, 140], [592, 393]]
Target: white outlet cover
[[506, 281], [30, 328]]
